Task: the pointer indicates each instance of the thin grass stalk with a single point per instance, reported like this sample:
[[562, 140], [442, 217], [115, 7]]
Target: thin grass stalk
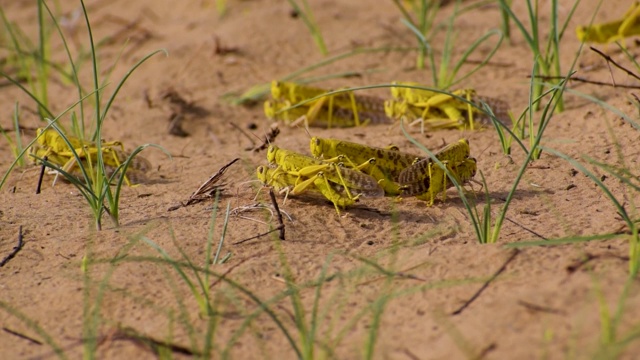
[[312, 25], [24, 67], [313, 328], [15, 145], [505, 140], [296, 300], [505, 24], [530, 156], [201, 299], [184, 312], [24, 150], [634, 255], [41, 65], [606, 106], [607, 335], [554, 39], [224, 232], [90, 316], [619, 207], [97, 186], [78, 131], [563, 241], [263, 305], [92, 309], [442, 78], [463, 59], [423, 26], [212, 227], [634, 252], [378, 307], [29, 93], [34, 326], [422, 40], [259, 91]]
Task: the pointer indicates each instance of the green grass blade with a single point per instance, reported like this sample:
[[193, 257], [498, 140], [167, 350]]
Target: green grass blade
[[619, 207], [564, 241], [124, 79], [13, 164], [120, 173], [224, 232], [29, 93], [174, 264], [33, 325], [470, 50]]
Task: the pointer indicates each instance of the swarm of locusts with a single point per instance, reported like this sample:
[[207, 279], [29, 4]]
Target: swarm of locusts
[[344, 171]]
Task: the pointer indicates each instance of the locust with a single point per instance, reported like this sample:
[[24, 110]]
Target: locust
[[453, 153], [616, 30], [51, 145], [386, 166], [320, 116], [438, 182], [438, 111], [307, 169], [339, 110], [284, 182], [390, 166]]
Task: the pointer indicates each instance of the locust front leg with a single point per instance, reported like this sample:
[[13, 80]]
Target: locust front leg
[[370, 168]]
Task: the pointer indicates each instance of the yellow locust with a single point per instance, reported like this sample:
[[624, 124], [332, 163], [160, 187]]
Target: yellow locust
[[612, 31], [51, 145], [307, 170]]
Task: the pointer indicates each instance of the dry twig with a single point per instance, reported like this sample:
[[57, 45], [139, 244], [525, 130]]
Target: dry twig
[[207, 190], [279, 228], [15, 250]]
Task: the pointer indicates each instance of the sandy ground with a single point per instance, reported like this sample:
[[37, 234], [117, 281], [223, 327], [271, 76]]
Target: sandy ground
[[543, 304]]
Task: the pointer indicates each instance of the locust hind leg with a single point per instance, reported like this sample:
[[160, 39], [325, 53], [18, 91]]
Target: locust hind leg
[[116, 160], [631, 23], [338, 200]]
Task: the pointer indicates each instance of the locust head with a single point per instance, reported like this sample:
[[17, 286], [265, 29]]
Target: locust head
[[261, 173], [271, 153]]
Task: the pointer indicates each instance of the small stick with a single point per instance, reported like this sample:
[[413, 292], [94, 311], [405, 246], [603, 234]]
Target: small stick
[[609, 59], [207, 189], [255, 237], [268, 138], [15, 249], [278, 213], [534, 307], [41, 176], [253, 143], [152, 344], [526, 229], [22, 336], [486, 284], [280, 226]]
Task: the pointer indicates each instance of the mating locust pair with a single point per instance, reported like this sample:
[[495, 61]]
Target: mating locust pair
[[434, 110], [344, 171]]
